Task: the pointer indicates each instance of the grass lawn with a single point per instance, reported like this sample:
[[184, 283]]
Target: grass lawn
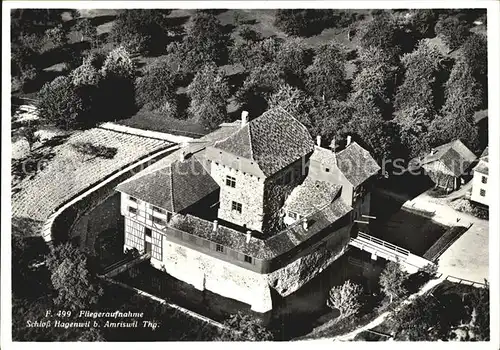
[[155, 121], [55, 172]]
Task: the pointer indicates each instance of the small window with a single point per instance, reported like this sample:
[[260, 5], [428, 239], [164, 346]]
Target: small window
[[235, 206], [292, 215], [132, 210], [327, 170], [132, 199], [230, 181], [482, 193], [484, 179], [147, 231], [158, 210], [219, 248], [248, 259]]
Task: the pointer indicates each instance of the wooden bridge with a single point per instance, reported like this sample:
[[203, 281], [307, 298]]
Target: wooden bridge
[[388, 251]]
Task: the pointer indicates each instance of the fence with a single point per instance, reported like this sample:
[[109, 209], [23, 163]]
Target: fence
[[383, 243], [465, 281]]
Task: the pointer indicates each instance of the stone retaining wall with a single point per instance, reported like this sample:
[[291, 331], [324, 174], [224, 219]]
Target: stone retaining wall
[[61, 223]]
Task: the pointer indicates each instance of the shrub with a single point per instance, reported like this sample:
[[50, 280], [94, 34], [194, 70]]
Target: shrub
[[345, 298]]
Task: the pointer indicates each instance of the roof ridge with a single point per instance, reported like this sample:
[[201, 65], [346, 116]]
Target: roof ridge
[[250, 141], [172, 188]]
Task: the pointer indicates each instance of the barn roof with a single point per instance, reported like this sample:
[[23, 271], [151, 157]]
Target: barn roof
[[454, 155]]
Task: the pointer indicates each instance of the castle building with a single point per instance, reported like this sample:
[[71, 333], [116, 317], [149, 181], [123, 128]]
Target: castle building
[[248, 208]]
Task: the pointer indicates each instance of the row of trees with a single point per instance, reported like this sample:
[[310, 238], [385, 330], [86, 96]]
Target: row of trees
[[102, 87], [400, 101]]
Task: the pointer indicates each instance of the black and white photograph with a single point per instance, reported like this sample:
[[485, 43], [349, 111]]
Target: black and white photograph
[[250, 172]]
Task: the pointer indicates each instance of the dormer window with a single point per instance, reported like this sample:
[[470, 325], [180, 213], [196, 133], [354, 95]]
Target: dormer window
[[292, 215]]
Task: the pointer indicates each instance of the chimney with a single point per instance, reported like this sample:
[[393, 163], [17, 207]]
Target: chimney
[[249, 236], [304, 224], [333, 145], [348, 140], [318, 140], [182, 156], [433, 151], [244, 118], [215, 226]]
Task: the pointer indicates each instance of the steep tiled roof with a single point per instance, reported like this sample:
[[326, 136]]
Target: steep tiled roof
[[485, 153], [482, 165], [310, 196], [273, 140], [356, 164], [258, 248], [173, 187], [454, 155], [324, 156]]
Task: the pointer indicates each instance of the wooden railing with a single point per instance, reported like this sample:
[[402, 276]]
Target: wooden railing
[[384, 244]]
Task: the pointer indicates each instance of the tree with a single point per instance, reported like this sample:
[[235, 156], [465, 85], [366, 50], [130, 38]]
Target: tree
[[419, 321], [293, 57], [87, 31], [325, 78], [241, 327], [119, 64], [260, 84], [205, 41], [413, 125], [29, 134], [453, 31], [248, 34], [117, 92], [76, 287], [332, 120], [57, 35], [463, 97], [421, 68], [61, 104], [414, 102], [141, 30], [380, 32], [157, 87], [290, 21], [449, 127], [209, 93], [87, 74], [391, 280], [373, 86], [255, 54], [294, 101], [481, 313], [307, 22], [423, 22], [345, 298], [474, 52]]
